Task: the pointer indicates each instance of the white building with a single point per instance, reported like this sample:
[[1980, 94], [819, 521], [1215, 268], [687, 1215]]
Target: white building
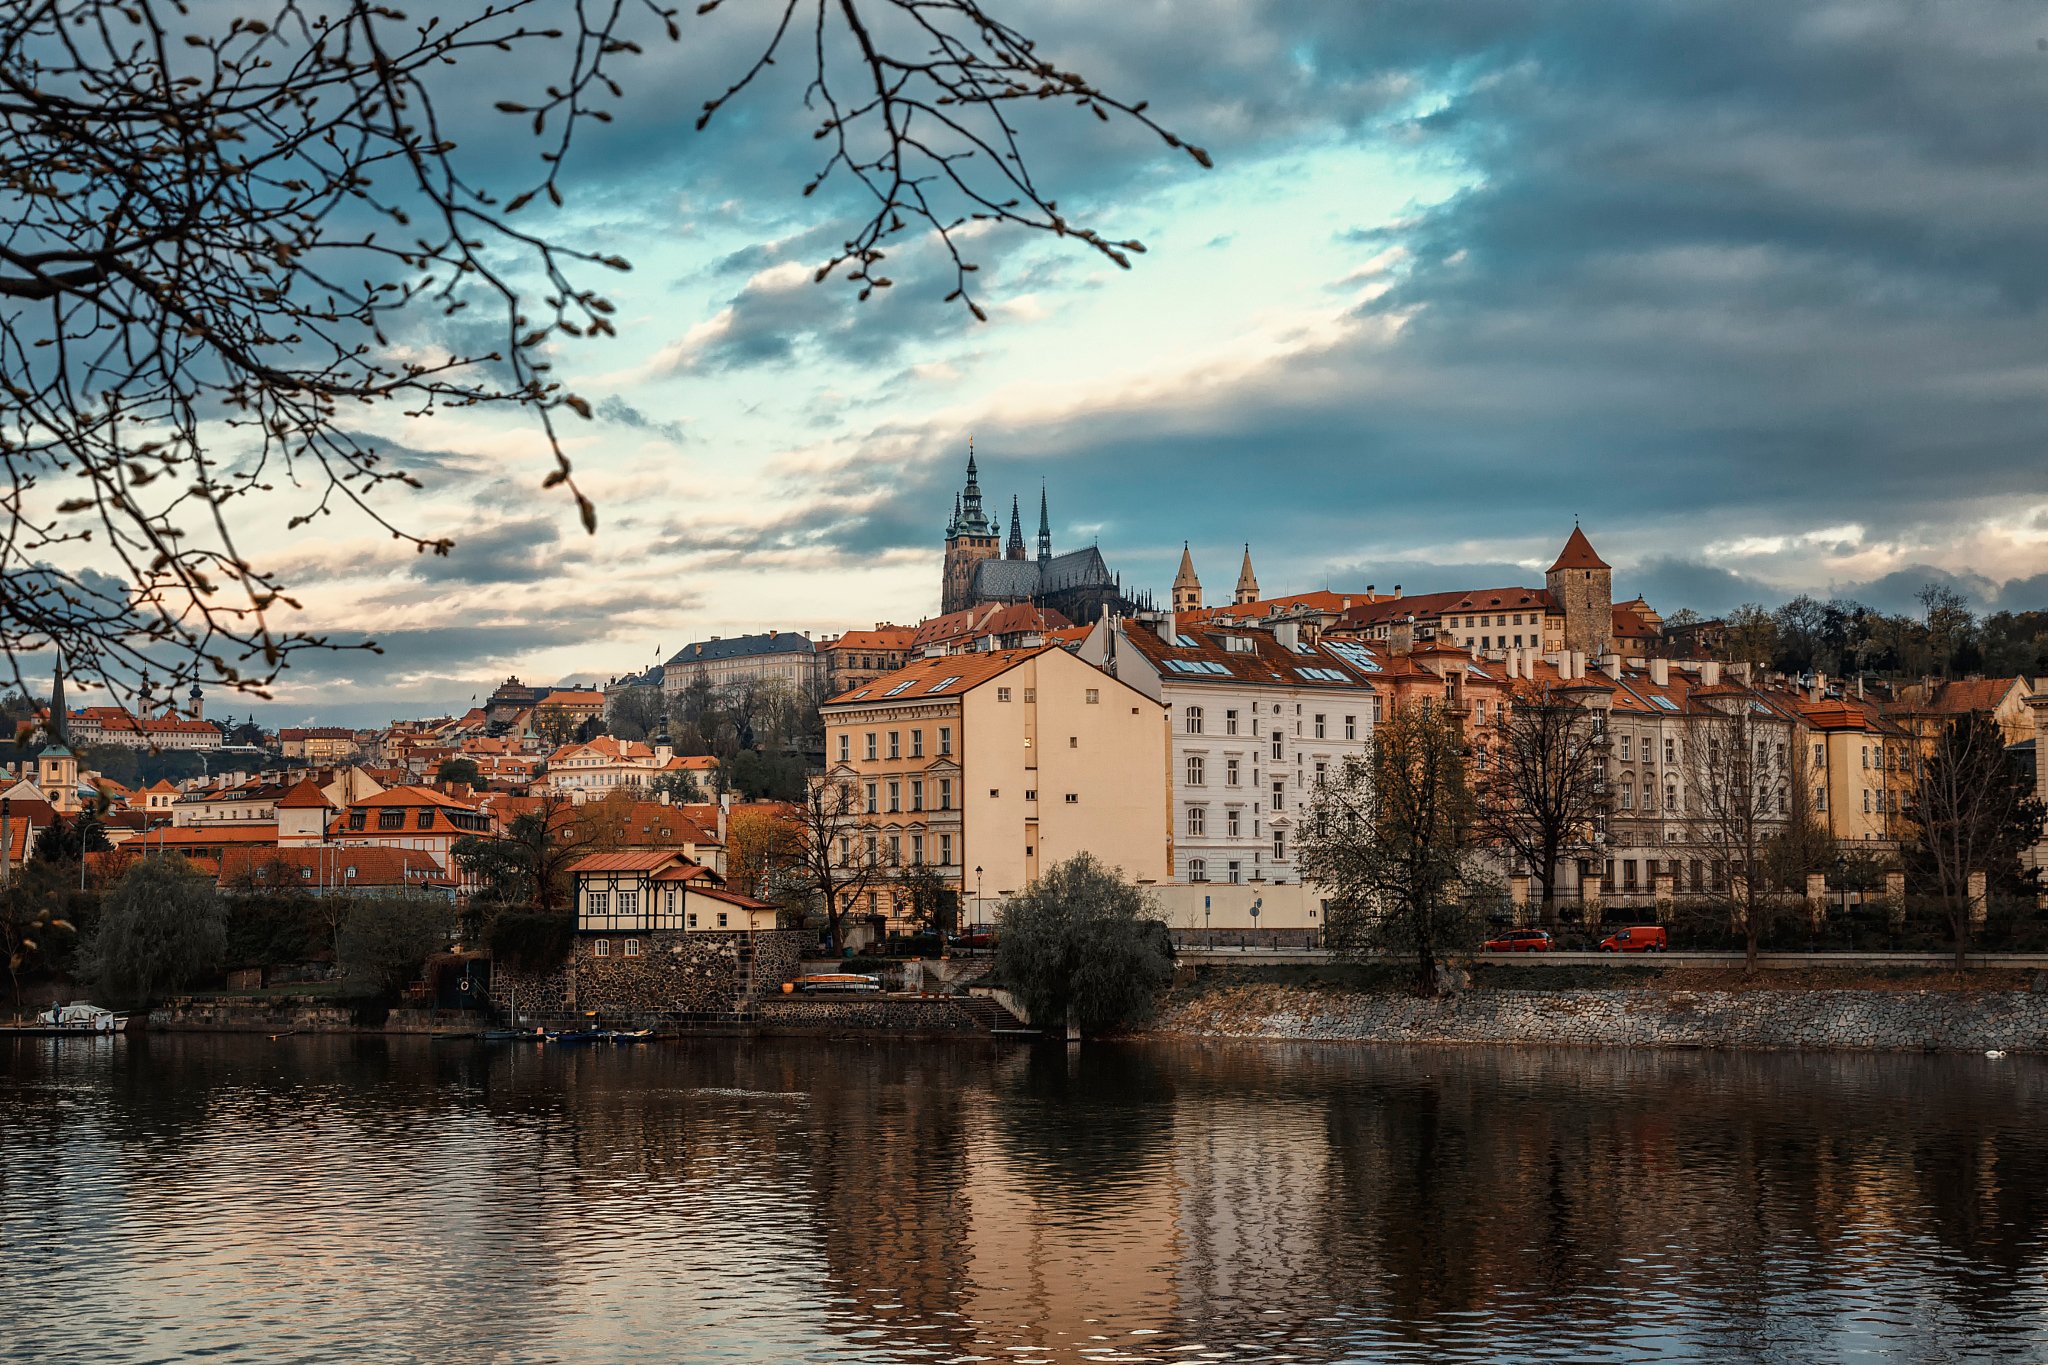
[[1257, 718]]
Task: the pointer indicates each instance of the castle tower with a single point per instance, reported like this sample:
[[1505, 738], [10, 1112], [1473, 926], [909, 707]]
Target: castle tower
[[56, 765], [1187, 589], [1015, 549], [197, 699], [1247, 581], [1581, 586], [970, 538], [1044, 528]]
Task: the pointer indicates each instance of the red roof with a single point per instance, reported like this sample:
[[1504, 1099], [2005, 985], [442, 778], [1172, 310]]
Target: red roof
[[734, 898], [304, 796], [626, 862], [1578, 554]]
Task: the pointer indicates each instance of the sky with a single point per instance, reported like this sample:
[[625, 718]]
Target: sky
[[1754, 291]]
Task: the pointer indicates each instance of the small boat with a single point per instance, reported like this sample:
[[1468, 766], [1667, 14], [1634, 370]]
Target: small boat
[[584, 1035], [638, 1035], [80, 1017], [513, 1035]]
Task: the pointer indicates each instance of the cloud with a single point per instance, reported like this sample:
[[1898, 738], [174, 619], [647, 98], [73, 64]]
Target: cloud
[[614, 408]]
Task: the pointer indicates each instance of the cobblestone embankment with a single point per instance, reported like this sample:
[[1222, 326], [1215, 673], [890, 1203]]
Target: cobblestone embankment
[[1888, 1021]]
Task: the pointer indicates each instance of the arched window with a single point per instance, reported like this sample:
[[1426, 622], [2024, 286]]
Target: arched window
[[1194, 720], [1197, 770]]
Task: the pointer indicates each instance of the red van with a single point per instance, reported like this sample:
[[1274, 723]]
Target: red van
[[1637, 938]]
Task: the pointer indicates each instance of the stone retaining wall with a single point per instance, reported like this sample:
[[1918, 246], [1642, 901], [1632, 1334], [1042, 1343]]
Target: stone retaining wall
[[863, 1016], [672, 972], [288, 1015], [1898, 1021]]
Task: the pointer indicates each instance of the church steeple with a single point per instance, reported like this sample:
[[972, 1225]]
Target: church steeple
[[973, 521], [1044, 528], [1247, 581], [60, 719], [1187, 589], [1015, 549]]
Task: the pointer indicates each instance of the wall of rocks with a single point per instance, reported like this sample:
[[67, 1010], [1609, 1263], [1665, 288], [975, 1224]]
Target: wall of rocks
[[675, 972], [286, 1014], [1898, 1021], [850, 1015]]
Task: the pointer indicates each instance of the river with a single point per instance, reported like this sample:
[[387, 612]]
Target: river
[[393, 1199]]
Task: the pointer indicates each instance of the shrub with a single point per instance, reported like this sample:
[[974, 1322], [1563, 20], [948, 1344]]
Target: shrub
[[384, 941], [162, 925], [530, 941], [1081, 947]]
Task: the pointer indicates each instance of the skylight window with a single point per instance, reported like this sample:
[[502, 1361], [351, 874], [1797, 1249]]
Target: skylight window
[[1353, 653], [900, 687], [942, 684], [1665, 702], [1187, 642]]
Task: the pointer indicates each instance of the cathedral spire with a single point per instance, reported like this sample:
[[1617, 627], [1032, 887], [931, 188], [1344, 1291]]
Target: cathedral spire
[[1044, 527], [1247, 581], [1015, 549], [1187, 589], [59, 719], [973, 521]]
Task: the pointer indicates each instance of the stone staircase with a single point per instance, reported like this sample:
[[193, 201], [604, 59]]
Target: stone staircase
[[990, 1016]]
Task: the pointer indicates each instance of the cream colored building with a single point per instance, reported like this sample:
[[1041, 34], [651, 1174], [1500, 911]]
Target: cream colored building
[[990, 768]]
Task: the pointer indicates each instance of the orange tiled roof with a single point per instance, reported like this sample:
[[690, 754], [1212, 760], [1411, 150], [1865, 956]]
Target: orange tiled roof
[[949, 675], [1578, 554], [626, 862], [1267, 662], [305, 795], [881, 638], [990, 618]]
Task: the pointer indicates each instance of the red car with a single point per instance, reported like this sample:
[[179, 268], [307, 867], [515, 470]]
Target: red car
[[1639, 938], [1520, 941]]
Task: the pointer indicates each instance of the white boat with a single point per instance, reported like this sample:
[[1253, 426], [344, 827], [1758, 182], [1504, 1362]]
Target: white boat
[[79, 1017]]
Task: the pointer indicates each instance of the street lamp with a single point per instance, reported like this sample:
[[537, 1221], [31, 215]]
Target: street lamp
[[980, 906]]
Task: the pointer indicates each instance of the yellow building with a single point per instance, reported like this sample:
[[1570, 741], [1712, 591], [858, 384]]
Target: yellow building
[[989, 768], [1861, 767]]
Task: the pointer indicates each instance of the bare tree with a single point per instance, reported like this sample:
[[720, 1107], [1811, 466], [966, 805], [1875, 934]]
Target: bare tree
[[1388, 834], [1737, 798], [1543, 788], [223, 236], [1970, 813], [832, 856]]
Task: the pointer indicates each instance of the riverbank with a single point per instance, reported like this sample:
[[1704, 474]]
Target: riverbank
[[1916, 1011]]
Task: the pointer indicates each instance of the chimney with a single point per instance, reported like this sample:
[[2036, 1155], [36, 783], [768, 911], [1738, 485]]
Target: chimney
[[1710, 673], [1859, 687], [1610, 664], [724, 810], [1660, 672], [1401, 639], [1169, 628], [1288, 633], [1369, 588], [1397, 590]]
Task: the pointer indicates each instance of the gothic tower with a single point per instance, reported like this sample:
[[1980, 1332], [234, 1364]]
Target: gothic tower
[[1247, 581], [1581, 588], [1187, 589], [970, 538], [1044, 529], [1015, 549]]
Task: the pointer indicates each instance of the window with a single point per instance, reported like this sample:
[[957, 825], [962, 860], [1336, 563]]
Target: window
[[355, 819], [1670, 750], [872, 846], [1198, 870], [693, 919], [895, 797], [845, 748], [1230, 722], [600, 902], [1671, 798], [916, 794], [1031, 694], [871, 746], [1323, 771], [1628, 874], [1235, 875], [1031, 793], [945, 793], [1319, 727], [1624, 748], [1351, 727], [1279, 796], [1279, 843], [1002, 694], [1094, 696], [845, 850], [895, 744], [995, 793], [1820, 799], [1276, 745], [721, 919], [1073, 741], [1628, 795], [872, 807], [945, 850], [895, 850], [945, 739], [632, 947], [1866, 755], [1378, 704], [917, 850], [917, 744], [1073, 798], [390, 819], [425, 820], [1194, 720], [1231, 822], [1230, 772], [601, 948], [1197, 771], [1198, 821], [1819, 756], [629, 902]]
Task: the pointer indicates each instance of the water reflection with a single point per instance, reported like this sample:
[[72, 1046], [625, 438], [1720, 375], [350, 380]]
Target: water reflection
[[394, 1199]]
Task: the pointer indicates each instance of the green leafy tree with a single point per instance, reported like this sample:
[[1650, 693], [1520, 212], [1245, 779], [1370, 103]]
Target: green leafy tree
[[680, 787], [638, 713], [385, 940], [69, 839], [35, 920], [528, 865], [463, 770], [931, 903], [162, 926], [1082, 947], [1389, 836]]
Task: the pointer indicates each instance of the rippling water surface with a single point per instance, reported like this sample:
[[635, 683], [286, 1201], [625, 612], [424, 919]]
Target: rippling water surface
[[369, 1200]]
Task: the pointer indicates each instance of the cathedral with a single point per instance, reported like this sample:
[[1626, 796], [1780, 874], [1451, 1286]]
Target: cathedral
[[980, 568]]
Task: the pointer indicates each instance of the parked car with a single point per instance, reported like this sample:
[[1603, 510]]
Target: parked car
[[976, 941], [1637, 938], [1520, 941]]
